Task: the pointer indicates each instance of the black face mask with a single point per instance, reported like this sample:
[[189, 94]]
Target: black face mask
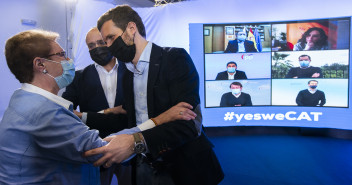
[[101, 55], [122, 51]]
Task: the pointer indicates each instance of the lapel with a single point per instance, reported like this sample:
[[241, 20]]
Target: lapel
[[154, 67], [100, 91], [236, 46], [119, 92], [129, 98]]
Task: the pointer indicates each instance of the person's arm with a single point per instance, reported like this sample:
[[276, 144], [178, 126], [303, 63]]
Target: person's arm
[[223, 102], [321, 75], [119, 147], [171, 114], [244, 75], [249, 101], [299, 99], [229, 48], [106, 123], [218, 77], [290, 73], [114, 110], [64, 135], [322, 100]]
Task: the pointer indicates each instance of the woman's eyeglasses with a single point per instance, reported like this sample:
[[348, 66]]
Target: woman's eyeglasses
[[60, 54]]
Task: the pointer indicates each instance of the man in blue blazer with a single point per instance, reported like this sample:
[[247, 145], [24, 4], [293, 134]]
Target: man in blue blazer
[[97, 90], [231, 73], [97, 87], [240, 44]]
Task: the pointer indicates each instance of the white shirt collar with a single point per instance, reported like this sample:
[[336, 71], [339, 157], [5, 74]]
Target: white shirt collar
[[56, 99], [312, 91], [143, 60], [145, 56], [103, 69], [237, 95], [231, 77]]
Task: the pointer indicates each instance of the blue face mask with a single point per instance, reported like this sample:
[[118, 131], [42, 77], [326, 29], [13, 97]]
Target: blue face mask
[[231, 69], [236, 91], [67, 75], [304, 63]]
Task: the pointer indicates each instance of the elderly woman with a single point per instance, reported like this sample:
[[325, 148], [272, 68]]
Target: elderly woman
[[41, 139], [313, 39]]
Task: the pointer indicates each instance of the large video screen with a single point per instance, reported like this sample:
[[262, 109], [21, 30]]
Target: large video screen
[[292, 73]]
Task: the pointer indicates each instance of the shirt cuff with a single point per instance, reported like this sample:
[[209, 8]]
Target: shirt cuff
[[101, 112], [84, 117], [146, 125]]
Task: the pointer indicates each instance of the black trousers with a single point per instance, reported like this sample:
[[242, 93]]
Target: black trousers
[[151, 174]]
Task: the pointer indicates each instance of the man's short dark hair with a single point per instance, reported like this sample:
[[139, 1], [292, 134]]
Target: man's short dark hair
[[236, 83], [304, 56], [22, 48], [312, 81], [242, 31], [231, 62], [121, 16]]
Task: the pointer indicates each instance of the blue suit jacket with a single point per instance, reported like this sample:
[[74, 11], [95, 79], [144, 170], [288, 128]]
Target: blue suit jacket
[[232, 46], [87, 92], [224, 76]]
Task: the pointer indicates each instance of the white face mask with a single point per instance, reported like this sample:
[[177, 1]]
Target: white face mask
[[236, 91]]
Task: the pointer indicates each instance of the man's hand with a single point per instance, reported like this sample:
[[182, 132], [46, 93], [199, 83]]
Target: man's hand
[[181, 111], [315, 75], [115, 110], [119, 148], [79, 114]]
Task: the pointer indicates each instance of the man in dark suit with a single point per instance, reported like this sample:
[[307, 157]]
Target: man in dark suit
[[231, 73], [178, 152], [240, 44], [236, 97], [98, 88]]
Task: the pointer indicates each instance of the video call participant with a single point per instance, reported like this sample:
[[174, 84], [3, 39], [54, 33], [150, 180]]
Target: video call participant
[[311, 96], [231, 73], [177, 152], [98, 88], [42, 140], [236, 97], [313, 39], [240, 44], [305, 70]]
